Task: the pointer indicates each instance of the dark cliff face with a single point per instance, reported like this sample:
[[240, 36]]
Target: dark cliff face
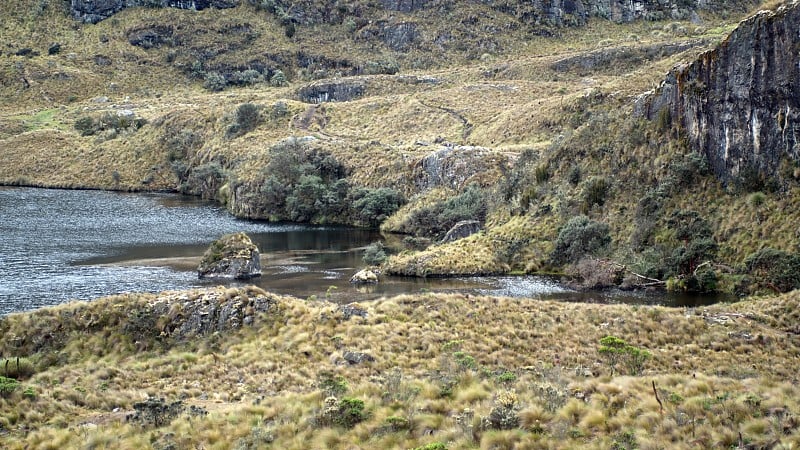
[[740, 102], [93, 11]]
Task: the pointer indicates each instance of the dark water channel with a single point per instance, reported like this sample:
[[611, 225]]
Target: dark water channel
[[59, 245]]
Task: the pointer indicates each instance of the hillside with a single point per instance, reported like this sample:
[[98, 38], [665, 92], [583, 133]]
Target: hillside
[[324, 113], [240, 368]]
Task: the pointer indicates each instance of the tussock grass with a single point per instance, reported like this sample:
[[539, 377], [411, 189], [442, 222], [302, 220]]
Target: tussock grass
[[436, 375]]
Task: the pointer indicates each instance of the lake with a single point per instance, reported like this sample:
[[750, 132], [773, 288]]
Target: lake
[[60, 245]]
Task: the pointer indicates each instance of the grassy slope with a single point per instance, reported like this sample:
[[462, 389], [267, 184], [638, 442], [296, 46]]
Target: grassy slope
[[266, 380]]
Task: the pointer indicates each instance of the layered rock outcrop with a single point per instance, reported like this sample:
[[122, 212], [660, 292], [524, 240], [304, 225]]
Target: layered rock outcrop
[[739, 103], [93, 11], [231, 256]]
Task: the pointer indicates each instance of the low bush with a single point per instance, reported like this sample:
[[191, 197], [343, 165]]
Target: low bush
[[374, 254], [8, 386], [246, 119], [215, 82], [616, 351]]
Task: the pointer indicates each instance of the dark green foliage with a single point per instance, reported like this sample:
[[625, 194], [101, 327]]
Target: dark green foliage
[[247, 118], [376, 205], [307, 185], [247, 77], [88, 126], [436, 220], [697, 241], [278, 79], [541, 173], [374, 254], [580, 236], [751, 179], [625, 440], [774, 269]]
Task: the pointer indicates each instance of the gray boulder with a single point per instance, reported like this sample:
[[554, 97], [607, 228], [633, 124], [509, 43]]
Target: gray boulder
[[231, 256], [461, 230], [354, 358]]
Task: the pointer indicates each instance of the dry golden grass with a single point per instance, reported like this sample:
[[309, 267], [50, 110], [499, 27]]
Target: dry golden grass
[[263, 383]]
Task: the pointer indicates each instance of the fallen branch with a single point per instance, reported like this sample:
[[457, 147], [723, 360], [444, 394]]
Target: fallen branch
[[654, 281]]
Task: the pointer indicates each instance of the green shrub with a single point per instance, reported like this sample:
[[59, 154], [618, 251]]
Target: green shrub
[[215, 82], [374, 254], [376, 205], [331, 384], [433, 446], [615, 351], [695, 245], [29, 393], [278, 79], [248, 77], [774, 269], [7, 386], [350, 412], [246, 119], [580, 236]]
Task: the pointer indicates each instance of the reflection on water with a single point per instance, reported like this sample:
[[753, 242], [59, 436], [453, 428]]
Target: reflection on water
[[58, 245]]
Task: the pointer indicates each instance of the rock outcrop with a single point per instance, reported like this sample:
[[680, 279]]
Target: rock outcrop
[[93, 11], [198, 313], [461, 230], [332, 91], [739, 103], [231, 256], [457, 167]]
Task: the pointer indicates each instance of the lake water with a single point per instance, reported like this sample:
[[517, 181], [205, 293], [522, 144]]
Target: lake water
[[60, 245]]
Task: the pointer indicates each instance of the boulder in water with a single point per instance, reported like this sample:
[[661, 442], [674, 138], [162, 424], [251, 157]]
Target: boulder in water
[[364, 276], [231, 256]]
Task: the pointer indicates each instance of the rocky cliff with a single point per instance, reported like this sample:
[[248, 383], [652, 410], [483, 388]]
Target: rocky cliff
[[538, 12], [739, 103], [93, 11]]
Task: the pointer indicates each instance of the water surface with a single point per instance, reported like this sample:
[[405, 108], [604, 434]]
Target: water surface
[[59, 245]]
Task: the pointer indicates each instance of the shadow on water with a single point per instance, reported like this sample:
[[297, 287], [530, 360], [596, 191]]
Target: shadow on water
[[59, 245]]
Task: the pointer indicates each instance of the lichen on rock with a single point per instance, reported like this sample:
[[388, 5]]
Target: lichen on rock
[[231, 256]]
